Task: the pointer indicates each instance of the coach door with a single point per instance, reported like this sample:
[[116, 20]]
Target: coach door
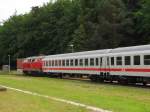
[[101, 64], [105, 65]]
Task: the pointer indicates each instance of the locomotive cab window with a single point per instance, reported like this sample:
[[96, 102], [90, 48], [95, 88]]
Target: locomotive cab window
[[119, 60], [146, 59], [127, 60], [136, 60], [91, 61]]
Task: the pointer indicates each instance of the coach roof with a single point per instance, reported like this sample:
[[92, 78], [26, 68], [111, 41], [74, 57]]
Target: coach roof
[[130, 49]]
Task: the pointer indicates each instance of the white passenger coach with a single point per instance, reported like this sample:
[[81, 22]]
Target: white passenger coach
[[126, 64]]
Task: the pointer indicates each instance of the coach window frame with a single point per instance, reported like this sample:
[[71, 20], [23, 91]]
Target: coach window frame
[[81, 62], [100, 61], [146, 59], [67, 62], [76, 62], [86, 62], [137, 55], [108, 61], [63, 62], [59, 62], [92, 61], [49, 62], [126, 60], [44, 63], [71, 62], [56, 64], [112, 64], [96, 61], [120, 60], [53, 62]]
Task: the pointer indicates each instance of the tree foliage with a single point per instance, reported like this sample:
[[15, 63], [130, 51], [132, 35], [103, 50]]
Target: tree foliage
[[87, 24]]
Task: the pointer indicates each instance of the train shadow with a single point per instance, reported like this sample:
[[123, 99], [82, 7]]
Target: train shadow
[[137, 85]]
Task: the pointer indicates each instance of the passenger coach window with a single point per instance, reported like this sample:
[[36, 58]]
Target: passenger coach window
[[147, 60], [49, 63], [91, 61], [46, 63], [76, 62], [67, 62], [97, 61], [101, 61], [136, 60], [86, 62], [107, 60], [56, 64], [81, 62], [63, 62], [59, 62], [71, 62], [127, 60], [52, 62], [119, 60], [112, 61]]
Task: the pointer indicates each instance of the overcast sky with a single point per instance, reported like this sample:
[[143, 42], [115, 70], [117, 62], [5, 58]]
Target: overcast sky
[[8, 7]]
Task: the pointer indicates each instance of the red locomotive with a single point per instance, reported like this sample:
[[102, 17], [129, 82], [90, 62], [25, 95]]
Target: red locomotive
[[32, 65]]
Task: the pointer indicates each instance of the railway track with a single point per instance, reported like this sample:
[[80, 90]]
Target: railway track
[[116, 83]]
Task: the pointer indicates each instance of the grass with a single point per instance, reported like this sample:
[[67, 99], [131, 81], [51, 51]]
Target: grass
[[111, 97], [19, 102]]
